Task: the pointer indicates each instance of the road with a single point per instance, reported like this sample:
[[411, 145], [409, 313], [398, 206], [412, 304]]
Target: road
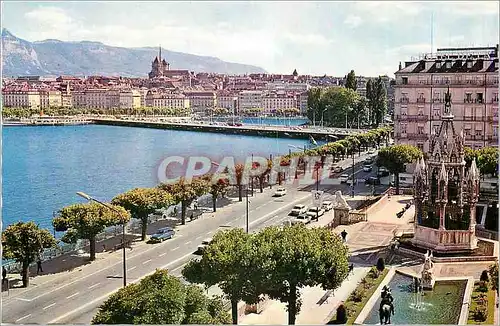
[[75, 298]]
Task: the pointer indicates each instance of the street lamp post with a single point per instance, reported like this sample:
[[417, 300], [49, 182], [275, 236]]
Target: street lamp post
[[89, 198], [317, 189], [322, 116], [352, 183], [247, 210]]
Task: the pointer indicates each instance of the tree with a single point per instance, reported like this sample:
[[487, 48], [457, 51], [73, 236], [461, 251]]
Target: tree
[[493, 271], [337, 104], [341, 316], [86, 221], [351, 81], [470, 155], [484, 276], [184, 192], [380, 101], [141, 202], [314, 104], [290, 258], [160, 299], [359, 112], [218, 186], [395, 158], [24, 242], [370, 96], [239, 169], [226, 262], [380, 264], [487, 160]]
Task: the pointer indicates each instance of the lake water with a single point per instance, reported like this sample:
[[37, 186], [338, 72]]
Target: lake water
[[43, 167]]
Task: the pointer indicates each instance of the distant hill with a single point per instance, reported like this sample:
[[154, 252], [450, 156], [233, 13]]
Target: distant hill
[[54, 57]]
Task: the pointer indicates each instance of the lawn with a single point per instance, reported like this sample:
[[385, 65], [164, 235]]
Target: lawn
[[360, 296], [484, 301]]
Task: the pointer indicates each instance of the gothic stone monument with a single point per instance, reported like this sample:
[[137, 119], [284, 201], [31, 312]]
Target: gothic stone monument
[[445, 193]]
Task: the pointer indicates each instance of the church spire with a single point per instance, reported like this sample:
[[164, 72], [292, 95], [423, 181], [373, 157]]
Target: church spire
[[159, 53]]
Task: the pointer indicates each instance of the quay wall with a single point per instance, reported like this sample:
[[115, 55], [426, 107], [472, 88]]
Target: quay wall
[[241, 130]]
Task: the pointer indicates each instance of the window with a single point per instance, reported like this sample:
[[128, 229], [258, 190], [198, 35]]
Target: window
[[436, 97], [468, 97], [448, 65], [420, 146], [479, 97], [404, 80], [420, 110], [404, 126], [436, 112], [438, 65], [469, 64], [420, 130]]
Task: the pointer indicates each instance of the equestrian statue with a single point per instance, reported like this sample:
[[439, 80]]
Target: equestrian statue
[[386, 306]]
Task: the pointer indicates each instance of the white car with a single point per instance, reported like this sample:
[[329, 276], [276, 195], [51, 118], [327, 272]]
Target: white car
[[298, 209], [314, 212], [203, 245], [280, 192], [344, 178], [367, 168], [327, 205], [302, 218]]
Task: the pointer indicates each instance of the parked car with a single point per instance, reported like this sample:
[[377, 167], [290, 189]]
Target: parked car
[[280, 192], [337, 169], [298, 209], [371, 151], [315, 211], [367, 168], [368, 161], [163, 234], [382, 172], [303, 218], [327, 205], [372, 181], [344, 177], [203, 245]]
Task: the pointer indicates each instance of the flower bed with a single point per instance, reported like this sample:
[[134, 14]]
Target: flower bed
[[482, 306], [363, 292]]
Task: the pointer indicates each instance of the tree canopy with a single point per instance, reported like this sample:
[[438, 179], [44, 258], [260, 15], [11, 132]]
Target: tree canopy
[[395, 158], [161, 299], [376, 95], [226, 262], [141, 202], [351, 81], [24, 242], [185, 191], [86, 221]]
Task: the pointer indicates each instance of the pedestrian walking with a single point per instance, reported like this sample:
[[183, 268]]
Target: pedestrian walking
[[39, 266], [4, 274], [343, 234], [191, 217]]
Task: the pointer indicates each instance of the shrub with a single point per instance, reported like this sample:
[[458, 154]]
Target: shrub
[[341, 315], [357, 295], [373, 273], [380, 264], [484, 276], [482, 287], [480, 313]]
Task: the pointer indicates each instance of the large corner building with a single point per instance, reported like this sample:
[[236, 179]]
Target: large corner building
[[471, 74]]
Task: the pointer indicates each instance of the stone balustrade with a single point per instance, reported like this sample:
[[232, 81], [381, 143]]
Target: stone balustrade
[[444, 240]]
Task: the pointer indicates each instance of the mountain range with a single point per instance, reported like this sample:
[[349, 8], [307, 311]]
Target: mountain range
[[85, 58]]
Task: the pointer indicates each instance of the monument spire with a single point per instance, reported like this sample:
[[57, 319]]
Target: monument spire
[[159, 47]]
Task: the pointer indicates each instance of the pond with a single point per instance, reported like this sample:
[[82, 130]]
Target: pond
[[442, 305]]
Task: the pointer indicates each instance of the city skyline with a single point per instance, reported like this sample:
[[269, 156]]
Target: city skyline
[[274, 36]]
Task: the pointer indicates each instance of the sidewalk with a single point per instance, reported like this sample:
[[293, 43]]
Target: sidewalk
[[315, 309]]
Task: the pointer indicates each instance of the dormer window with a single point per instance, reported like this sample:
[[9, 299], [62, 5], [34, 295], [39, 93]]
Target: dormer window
[[438, 65], [469, 64], [448, 65], [496, 64]]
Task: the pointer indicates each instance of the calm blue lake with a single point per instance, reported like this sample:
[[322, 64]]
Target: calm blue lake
[[44, 166]]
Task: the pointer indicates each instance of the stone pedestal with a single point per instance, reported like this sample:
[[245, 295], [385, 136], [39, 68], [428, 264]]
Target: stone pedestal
[[341, 215]]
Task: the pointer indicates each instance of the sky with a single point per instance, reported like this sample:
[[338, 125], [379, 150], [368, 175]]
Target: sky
[[313, 37]]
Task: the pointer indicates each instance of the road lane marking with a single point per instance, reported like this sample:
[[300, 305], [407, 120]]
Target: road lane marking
[[23, 318], [93, 286], [50, 305], [101, 298], [163, 254], [22, 299], [71, 296], [132, 268], [145, 262], [175, 248], [188, 242]]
